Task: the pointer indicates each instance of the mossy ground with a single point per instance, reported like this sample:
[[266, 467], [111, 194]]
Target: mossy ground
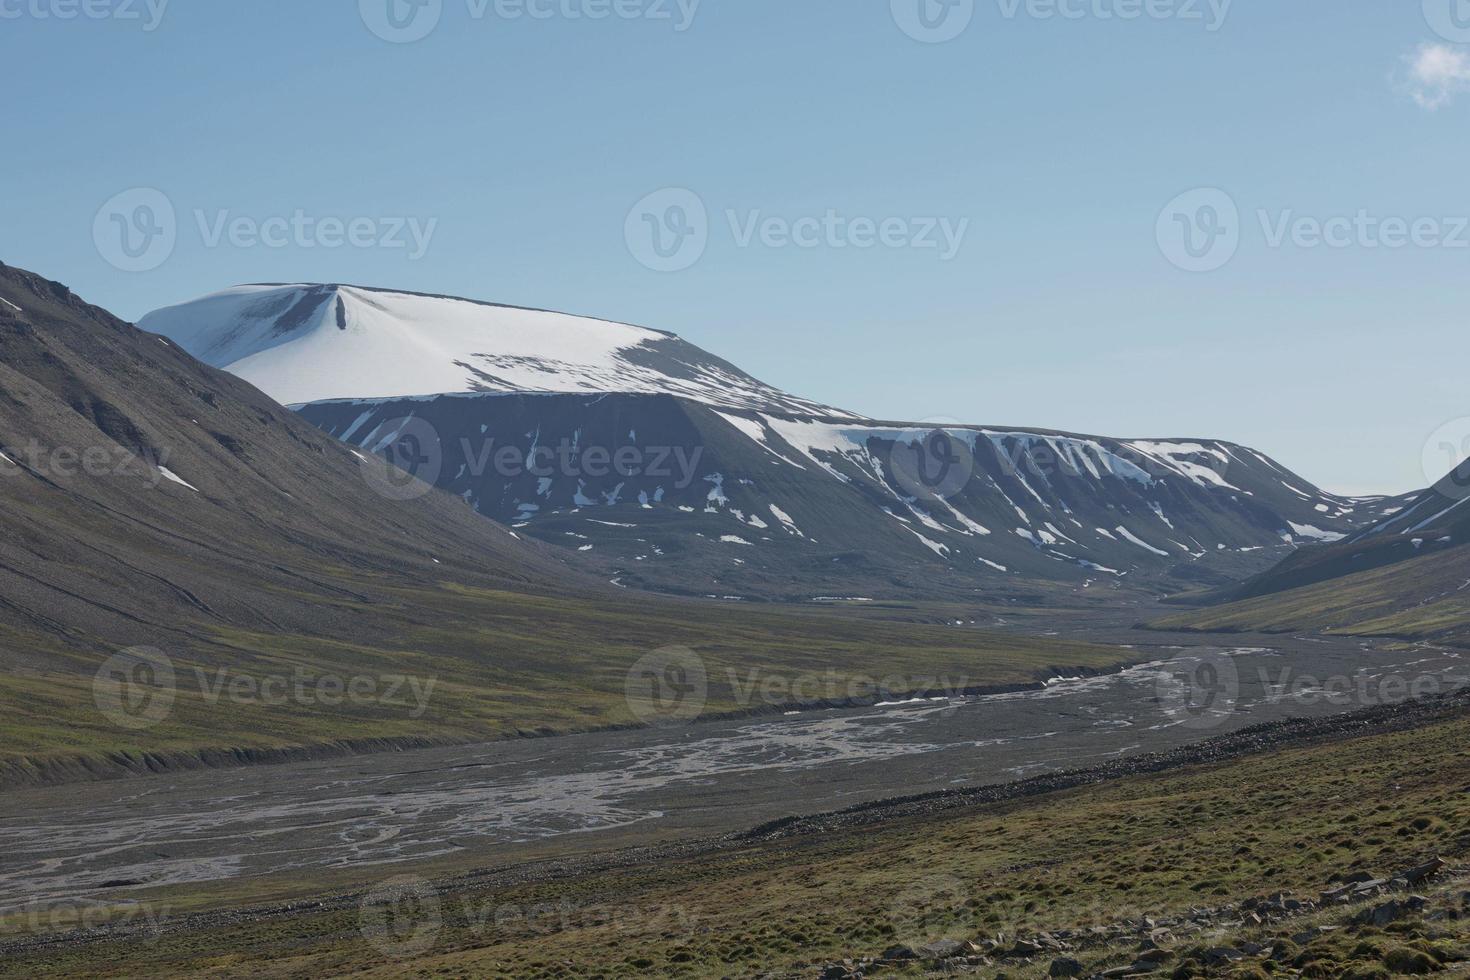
[[1155, 845], [501, 664]]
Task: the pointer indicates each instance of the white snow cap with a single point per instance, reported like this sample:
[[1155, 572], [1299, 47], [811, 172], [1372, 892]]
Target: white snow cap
[[310, 343]]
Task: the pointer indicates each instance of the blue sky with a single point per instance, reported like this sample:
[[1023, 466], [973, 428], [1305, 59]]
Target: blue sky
[[1053, 139]]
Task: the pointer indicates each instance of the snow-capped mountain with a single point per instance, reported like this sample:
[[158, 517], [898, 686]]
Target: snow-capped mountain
[[669, 468], [311, 343]]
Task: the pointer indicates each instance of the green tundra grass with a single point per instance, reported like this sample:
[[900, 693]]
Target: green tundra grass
[[1292, 820], [456, 665], [1423, 599]]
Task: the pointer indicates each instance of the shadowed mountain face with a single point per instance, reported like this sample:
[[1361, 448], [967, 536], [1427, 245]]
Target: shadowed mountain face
[[144, 494], [1419, 525], [1406, 575], [664, 467]]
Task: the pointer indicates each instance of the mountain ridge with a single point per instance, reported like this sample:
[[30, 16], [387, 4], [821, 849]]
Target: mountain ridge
[[850, 501]]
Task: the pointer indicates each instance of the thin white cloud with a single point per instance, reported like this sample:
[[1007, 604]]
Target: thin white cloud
[[1437, 73]]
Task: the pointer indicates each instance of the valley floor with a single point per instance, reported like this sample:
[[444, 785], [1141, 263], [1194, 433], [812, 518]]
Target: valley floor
[[1214, 864]]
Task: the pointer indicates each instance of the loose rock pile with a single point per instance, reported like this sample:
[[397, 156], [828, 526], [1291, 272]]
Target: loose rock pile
[[1158, 941]]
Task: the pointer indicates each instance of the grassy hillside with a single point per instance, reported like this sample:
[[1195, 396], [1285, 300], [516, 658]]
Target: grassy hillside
[[1404, 576], [452, 663], [1425, 598], [1081, 868]]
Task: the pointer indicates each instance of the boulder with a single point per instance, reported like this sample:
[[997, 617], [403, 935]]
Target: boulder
[[1064, 967], [1382, 915], [1221, 955], [942, 949], [1424, 871]]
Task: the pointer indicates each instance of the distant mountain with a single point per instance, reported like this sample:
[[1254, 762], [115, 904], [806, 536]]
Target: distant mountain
[[1406, 575], [665, 467], [315, 343], [1418, 524]]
